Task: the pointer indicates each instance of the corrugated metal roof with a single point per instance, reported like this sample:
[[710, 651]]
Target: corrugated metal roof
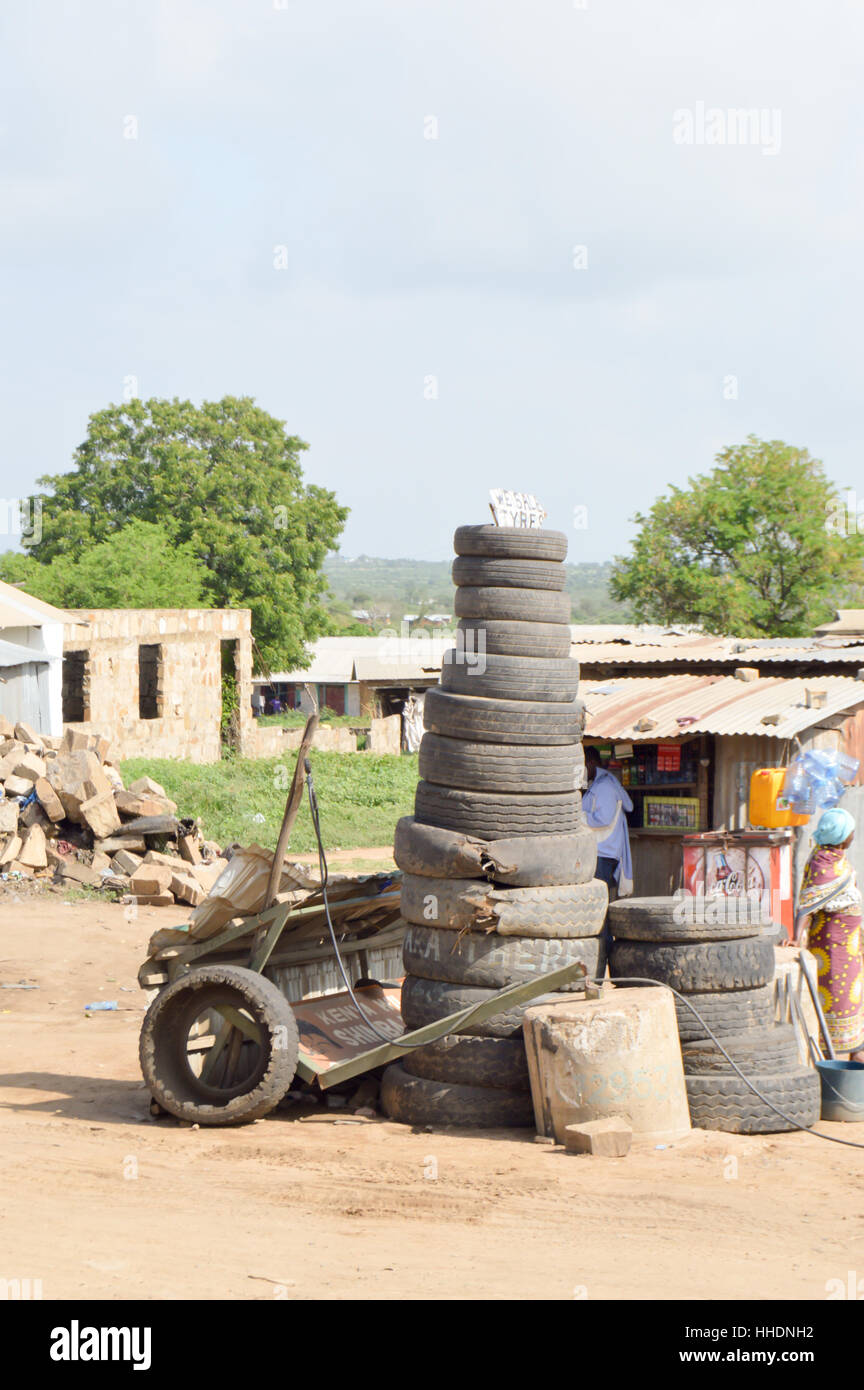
[[694, 704], [12, 654], [738, 650]]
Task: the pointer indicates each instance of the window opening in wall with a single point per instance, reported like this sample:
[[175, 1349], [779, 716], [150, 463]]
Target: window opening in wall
[[150, 681], [76, 687]]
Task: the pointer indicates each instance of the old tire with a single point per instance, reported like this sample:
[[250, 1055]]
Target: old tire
[[514, 639], [516, 542], [265, 1074], [727, 1103], [496, 767], [567, 910], [486, 960], [683, 919], [437, 853], [728, 1013], [696, 967], [427, 1001], [529, 861], [768, 1051], [496, 816], [541, 861], [535, 678], [498, 1062], [484, 720], [496, 573], [414, 1100], [512, 605]]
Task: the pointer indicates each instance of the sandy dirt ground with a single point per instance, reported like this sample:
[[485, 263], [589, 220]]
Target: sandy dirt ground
[[100, 1201]]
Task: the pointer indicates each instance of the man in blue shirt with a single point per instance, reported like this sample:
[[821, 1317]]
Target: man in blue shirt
[[604, 804]]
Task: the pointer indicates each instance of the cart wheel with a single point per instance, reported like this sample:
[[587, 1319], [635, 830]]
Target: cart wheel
[[219, 1046]]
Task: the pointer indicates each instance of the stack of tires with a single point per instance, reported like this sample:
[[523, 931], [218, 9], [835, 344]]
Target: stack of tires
[[724, 969], [498, 864]]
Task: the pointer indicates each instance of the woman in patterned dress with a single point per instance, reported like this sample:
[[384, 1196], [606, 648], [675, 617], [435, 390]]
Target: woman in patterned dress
[[831, 901]]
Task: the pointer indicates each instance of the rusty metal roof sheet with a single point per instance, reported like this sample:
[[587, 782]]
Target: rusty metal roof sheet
[[692, 704]]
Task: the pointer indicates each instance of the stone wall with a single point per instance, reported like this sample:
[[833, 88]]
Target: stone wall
[[271, 740], [187, 675]]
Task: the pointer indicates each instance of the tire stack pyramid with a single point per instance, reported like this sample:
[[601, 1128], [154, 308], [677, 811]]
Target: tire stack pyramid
[[498, 864], [724, 968]]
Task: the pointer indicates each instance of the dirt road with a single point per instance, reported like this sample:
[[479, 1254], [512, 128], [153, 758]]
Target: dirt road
[[100, 1201]]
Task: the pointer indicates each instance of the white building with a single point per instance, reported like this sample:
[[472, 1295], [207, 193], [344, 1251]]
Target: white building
[[31, 661]]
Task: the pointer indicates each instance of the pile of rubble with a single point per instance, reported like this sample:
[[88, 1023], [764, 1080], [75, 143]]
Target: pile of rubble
[[66, 817]]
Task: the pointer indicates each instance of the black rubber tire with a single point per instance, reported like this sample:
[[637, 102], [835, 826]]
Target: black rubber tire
[[413, 1100], [697, 966], [769, 1051], [427, 1001], [569, 910], [529, 861], [502, 721], [541, 861], [727, 1103], [499, 767], [485, 960], [654, 919], [512, 605], [534, 678], [517, 542], [496, 816], [481, 571], [497, 1062], [436, 853], [514, 639], [162, 1048], [727, 1013]]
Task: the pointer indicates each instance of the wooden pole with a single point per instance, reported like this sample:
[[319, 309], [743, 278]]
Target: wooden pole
[[292, 806]]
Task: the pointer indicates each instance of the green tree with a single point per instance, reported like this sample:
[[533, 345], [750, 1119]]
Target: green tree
[[223, 479], [757, 547], [137, 567]]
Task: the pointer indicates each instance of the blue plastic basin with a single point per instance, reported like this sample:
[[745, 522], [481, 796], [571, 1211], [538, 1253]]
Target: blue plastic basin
[[842, 1090]]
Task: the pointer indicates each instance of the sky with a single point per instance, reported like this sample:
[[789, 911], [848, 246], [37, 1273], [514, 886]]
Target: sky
[[454, 244]]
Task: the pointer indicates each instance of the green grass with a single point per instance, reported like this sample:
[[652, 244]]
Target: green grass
[[296, 719], [360, 795]]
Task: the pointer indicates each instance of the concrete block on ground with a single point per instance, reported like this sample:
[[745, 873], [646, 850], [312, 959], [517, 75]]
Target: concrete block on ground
[[154, 899], [100, 814], [29, 766], [10, 850], [49, 800], [125, 862], [610, 1137], [151, 879], [18, 786], [27, 734], [186, 889], [145, 786], [33, 848], [8, 817]]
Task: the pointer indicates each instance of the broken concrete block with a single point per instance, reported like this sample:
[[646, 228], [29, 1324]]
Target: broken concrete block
[[145, 786], [610, 1137], [135, 843], [100, 813], [8, 817], [7, 729], [75, 742], [34, 815], [154, 899], [68, 867], [49, 800], [29, 766], [100, 862], [132, 804], [18, 786], [32, 851], [76, 777], [10, 849], [151, 879], [174, 862], [124, 862], [186, 890], [28, 735], [189, 850]]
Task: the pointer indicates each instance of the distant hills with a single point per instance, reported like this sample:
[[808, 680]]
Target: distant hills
[[385, 590]]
